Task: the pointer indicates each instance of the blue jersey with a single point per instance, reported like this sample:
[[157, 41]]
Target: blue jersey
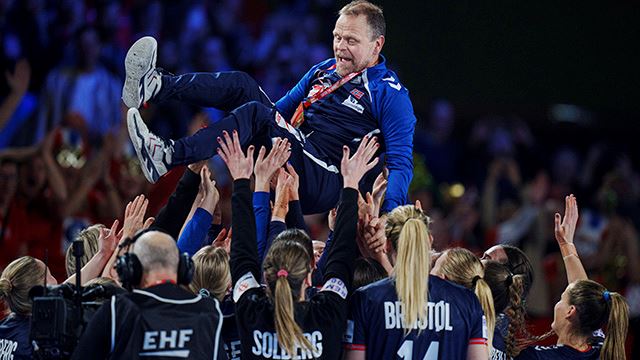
[[14, 338], [559, 352], [454, 320], [372, 103]]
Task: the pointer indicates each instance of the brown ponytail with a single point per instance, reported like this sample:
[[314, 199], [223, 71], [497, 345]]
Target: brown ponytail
[[597, 307], [286, 265], [617, 326], [515, 312]]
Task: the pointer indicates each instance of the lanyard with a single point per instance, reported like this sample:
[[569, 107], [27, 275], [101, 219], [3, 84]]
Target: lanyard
[[298, 116]]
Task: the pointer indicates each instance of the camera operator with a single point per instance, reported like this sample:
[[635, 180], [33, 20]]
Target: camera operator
[[158, 319], [16, 281]]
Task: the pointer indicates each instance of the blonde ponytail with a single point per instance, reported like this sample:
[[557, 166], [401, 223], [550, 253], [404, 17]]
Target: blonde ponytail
[[289, 333], [285, 267], [413, 264], [462, 267], [483, 292]]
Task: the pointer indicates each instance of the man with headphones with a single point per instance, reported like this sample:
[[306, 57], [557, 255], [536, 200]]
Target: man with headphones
[[158, 319]]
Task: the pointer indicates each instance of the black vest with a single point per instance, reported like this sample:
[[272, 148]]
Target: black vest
[[165, 322]]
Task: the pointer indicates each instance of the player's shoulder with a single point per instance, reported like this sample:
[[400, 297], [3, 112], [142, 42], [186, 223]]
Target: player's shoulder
[[377, 290], [439, 284], [384, 79]]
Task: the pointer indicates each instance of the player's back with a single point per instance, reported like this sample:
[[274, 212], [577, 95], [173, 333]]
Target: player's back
[[454, 320]]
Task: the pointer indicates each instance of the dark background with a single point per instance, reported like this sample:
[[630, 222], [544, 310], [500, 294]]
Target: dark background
[[521, 56]]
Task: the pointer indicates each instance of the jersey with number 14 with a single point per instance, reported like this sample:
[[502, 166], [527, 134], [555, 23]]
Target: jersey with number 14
[[454, 320]]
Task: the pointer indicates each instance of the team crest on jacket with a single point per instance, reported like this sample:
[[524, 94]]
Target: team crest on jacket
[[357, 93]]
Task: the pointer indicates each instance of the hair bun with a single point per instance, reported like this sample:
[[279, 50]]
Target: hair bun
[[6, 284]]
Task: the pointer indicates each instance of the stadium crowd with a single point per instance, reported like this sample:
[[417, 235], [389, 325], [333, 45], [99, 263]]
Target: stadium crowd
[[490, 207]]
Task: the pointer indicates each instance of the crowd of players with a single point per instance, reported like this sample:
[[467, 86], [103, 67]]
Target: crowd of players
[[303, 302], [293, 298]]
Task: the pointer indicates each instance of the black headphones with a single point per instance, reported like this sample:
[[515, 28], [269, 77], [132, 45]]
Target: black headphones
[[130, 270]]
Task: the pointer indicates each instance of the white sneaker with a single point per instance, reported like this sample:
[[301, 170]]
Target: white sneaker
[[142, 81], [154, 152]]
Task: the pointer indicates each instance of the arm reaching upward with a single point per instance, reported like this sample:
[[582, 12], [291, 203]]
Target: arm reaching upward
[[565, 229]]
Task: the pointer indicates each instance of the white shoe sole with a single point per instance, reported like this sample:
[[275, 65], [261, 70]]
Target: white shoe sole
[[138, 144], [141, 58]]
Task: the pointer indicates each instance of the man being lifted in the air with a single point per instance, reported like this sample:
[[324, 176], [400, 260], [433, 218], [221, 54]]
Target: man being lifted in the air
[[336, 104]]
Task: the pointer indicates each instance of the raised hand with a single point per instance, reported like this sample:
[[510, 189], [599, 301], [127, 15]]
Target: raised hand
[[219, 240], [353, 168], [240, 166], [133, 222], [379, 190], [197, 166], [267, 166], [147, 223], [281, 205], [565, 228], [564, 232], [210, 196], [108, 239], [134, 216], [366, 207], [223, 240], [295, 183], [374, 234]]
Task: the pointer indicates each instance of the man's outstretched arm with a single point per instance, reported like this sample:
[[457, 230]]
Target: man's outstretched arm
[[397, 123]]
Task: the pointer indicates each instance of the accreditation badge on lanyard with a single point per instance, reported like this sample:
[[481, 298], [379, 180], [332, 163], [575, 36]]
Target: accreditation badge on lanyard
[[298, 116]]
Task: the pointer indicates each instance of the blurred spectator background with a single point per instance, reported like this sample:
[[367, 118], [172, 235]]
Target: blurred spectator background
[[518, 105]]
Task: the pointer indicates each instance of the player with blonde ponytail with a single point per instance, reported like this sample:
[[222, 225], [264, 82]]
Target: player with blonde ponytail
[[412, 262], [462, 267], [286, 268], [414, 315]]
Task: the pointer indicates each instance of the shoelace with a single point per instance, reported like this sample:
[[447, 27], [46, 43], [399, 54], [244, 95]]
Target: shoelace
[[166, 143], [160, 72]]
